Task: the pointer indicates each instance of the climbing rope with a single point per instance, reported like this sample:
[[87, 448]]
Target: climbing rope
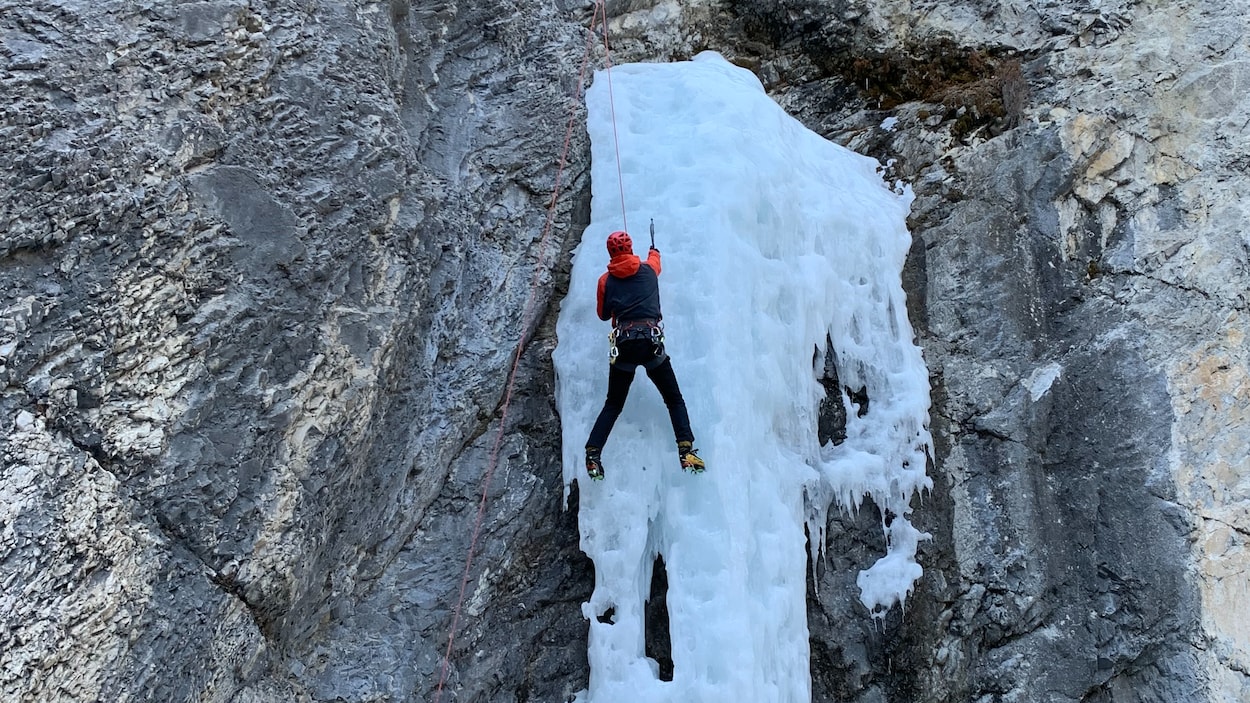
[[616, 140], [600, 13]]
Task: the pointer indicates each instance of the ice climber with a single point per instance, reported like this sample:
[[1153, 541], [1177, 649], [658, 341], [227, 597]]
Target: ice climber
[[629, 296]]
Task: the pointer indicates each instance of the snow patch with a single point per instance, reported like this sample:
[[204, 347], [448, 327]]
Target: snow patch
[[1040, 380]]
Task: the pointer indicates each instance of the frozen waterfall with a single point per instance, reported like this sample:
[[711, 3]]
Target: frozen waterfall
[[774, 240]]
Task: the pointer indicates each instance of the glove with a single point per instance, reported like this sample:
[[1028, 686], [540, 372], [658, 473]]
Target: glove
[[654, 249]]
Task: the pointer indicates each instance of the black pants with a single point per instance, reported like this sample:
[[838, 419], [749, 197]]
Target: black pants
[[632, 354]]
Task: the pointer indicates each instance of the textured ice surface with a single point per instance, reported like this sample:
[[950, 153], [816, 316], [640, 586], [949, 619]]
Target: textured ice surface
[[773, 239]]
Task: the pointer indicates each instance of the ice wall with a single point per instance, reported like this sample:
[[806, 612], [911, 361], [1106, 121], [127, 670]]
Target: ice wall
[[773, 240]]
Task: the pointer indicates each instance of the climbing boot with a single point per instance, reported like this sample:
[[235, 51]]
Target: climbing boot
[[594, 464], [689, 456]]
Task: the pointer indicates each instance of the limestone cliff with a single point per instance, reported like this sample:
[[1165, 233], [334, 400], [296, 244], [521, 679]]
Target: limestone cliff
[[265, 263]]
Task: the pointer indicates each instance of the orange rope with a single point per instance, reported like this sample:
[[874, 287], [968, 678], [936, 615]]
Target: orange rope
[[527, 321]]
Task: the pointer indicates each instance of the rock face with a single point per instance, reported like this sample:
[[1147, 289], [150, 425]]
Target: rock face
[[265, 266]]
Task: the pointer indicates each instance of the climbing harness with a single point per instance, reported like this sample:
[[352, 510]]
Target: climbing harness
[[639, 329], [635, 330]]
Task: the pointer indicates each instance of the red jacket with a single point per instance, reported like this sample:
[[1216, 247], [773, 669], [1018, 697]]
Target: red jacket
[[630, 290]]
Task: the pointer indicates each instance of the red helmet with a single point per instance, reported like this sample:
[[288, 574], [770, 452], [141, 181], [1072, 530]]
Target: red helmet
[[620, 243]]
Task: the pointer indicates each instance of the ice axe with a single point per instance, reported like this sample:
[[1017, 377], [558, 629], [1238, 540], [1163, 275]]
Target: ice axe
[[653, 233]]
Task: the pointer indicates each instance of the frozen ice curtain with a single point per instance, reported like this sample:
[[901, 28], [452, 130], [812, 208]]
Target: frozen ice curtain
[[774, 240]]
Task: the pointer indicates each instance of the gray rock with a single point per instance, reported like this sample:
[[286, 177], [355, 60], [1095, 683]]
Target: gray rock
[[264, 267]]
